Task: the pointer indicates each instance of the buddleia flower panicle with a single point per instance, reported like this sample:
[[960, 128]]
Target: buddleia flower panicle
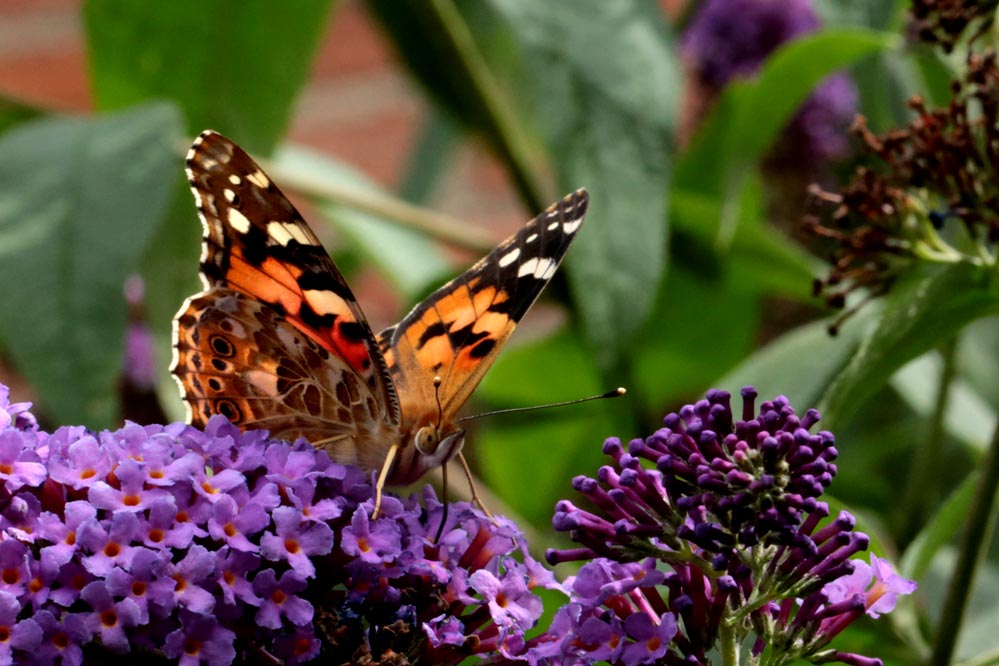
[[219, 547], [713, 524], [934, 198]]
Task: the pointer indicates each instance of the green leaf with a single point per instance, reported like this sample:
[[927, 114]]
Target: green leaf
[[79, 199], [559, 368], [978, 357], [687, 345], [603, 82], [922, 311], [432, 155], [768, 262], [941, 530], [232, 65], [968, 417], [13, 113], [529, 459], [802, 363], [170, 269]]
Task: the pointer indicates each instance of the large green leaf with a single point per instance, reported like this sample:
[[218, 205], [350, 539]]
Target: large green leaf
[[232, 65], [79, 199], [922, 311], [602, 83]]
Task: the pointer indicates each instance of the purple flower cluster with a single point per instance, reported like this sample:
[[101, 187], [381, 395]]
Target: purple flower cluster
[[220, 546], [390, 586], [725, 534], [730, 39], [610, 618]]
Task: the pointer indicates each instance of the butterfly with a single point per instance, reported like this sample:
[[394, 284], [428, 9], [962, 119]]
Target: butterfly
[[277, 341]]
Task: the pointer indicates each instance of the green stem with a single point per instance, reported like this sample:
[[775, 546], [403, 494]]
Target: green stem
[[921, 486], [728, 646], [498, 118], [977, 533]]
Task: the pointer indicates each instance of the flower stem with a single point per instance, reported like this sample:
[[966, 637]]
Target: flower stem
[[977, 533], [728, 647]]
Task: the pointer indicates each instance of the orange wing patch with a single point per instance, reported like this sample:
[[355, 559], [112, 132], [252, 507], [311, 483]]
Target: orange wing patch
[[458, 330]]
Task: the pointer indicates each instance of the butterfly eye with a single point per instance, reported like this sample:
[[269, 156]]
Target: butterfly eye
[[426, 440]]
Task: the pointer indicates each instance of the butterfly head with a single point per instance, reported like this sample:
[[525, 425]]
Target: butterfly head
[[431, 442]]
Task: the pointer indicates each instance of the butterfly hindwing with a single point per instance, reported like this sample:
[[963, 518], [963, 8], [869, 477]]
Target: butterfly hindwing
[[256, 243], [240, 358], [456, 333]]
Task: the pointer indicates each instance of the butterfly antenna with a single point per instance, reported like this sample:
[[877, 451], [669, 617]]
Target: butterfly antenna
[[440, 419], [616, 393], [437, 396]]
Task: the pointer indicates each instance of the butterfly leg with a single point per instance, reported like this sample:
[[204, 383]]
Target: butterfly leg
[[380, 485], [471, 485]]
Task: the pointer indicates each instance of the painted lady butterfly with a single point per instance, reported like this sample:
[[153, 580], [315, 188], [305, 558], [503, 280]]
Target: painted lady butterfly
[[277, 341]]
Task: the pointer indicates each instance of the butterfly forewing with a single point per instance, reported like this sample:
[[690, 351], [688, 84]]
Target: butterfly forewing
[[459, 329], [257, 243]]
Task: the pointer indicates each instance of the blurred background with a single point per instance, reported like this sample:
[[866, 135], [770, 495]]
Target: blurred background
[[415, 135]]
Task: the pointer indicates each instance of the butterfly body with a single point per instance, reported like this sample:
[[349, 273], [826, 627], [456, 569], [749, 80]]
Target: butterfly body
[[277, 340]]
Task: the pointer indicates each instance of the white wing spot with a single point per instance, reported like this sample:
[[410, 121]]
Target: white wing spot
[[570, 227], [531, 238], [509, 257], [284, 232], [234, 179], [259, 179], [230, 196], [323, 302], [541, 268], [278, 233], [239, 221], [207, 163], [553, 226]]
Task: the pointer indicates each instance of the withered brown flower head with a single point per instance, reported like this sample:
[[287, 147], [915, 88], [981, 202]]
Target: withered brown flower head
[[944, 165], [944, 22]]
